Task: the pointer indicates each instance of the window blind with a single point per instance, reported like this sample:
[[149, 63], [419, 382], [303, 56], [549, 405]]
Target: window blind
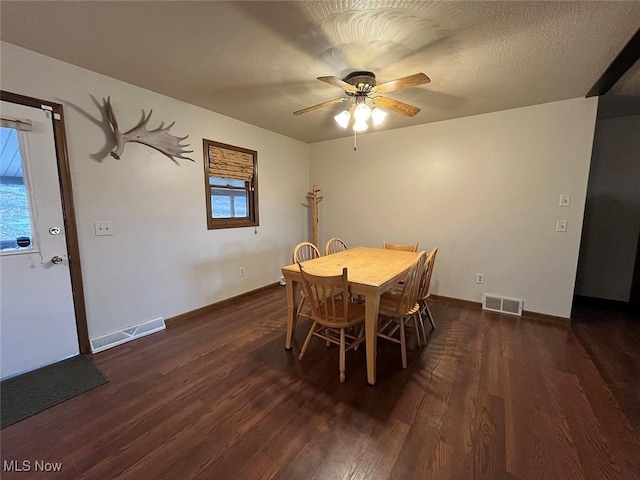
[[230, 164], [24, 125]]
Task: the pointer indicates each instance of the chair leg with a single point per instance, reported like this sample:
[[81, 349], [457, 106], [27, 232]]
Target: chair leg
[[417, 329], [360, 335], [300, 305], [422, 330], [403, 344], [307, 341], [426, 307], [293, 327], [342, 356]]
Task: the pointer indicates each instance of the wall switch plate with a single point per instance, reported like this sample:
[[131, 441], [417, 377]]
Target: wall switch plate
[[103, 227], [561, 226], [565, 200], [479, 277]]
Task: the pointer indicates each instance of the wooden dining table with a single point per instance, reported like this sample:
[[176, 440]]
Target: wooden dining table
[[370, 271]]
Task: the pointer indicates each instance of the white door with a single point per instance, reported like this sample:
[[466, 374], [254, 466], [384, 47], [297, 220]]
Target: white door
[[37, 317]]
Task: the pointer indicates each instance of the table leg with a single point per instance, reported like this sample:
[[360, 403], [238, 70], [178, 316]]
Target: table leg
[[291, 313], [371, 306]]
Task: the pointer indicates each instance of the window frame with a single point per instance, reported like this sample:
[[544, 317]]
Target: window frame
[[251, 187]]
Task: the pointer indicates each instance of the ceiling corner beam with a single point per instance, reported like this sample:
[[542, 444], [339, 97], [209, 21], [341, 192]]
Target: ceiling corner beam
[[623, 62]]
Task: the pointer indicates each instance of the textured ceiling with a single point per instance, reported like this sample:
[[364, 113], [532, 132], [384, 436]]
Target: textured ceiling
[[257, 61]]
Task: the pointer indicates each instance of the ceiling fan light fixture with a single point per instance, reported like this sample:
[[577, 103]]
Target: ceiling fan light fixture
[[360, 125], [362, 113], [361, 86], [377, 116], [343, 118]]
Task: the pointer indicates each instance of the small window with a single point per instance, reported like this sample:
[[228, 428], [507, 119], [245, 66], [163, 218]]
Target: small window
[[231, 182], [16, 230]]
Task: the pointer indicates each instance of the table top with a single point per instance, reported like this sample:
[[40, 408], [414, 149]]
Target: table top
[[366, 266]]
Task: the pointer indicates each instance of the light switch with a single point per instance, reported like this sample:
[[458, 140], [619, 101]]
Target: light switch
[[561, 226], [565, 200]]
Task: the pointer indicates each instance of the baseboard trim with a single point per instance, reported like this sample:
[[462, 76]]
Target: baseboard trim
[[183, 317], [546, 318], [526, 314], [456, 301]]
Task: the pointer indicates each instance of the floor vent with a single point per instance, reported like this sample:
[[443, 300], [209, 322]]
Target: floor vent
[[495, 303], [110, 340]]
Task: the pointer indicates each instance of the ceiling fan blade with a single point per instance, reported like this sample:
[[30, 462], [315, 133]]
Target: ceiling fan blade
[[396, 106], [399, 83], [320, 105], [336, 82]]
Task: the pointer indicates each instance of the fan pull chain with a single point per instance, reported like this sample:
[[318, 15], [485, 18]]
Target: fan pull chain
[[355, 147]]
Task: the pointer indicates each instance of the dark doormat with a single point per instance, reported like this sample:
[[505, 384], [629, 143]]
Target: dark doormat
[[33, 392]]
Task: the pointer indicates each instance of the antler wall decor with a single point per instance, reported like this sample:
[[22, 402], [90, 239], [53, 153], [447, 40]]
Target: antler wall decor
[[160, 138]]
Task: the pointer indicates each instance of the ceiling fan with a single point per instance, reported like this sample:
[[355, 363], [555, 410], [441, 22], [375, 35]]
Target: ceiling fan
[[361, 86]]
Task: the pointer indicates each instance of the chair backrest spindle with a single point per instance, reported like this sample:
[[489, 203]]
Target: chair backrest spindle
[[425, 280], [394, 246], [329, 296], [334, 245], [305, 251], [410, 289]]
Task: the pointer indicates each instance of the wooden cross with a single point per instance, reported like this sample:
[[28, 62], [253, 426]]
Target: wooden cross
[[315, 199]]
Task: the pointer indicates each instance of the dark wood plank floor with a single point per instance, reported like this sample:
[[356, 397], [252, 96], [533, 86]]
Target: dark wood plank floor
[[218, 397]]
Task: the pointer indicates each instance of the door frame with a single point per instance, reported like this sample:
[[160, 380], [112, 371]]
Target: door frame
[[634, 296], [68, 210]]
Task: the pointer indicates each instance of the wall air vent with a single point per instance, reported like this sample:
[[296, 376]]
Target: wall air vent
[[496, 303], [110, 340]]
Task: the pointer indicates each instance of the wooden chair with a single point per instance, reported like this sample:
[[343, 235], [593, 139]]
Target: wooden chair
[[301, 253], [396, 309], [334, 245], [424, 294], [404, 248], [332, 313], [305, 251]]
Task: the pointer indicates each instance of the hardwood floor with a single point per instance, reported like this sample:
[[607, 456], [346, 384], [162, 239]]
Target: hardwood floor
[[611, 337], [218, 397]]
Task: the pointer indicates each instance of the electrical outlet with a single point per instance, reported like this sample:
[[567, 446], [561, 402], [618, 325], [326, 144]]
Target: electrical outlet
[[242, 271], [561, 226], [479, 277], [103, 227]]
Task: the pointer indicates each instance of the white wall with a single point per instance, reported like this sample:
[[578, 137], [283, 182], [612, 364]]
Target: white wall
[[162, 260], [484, 189], [612, 215]]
